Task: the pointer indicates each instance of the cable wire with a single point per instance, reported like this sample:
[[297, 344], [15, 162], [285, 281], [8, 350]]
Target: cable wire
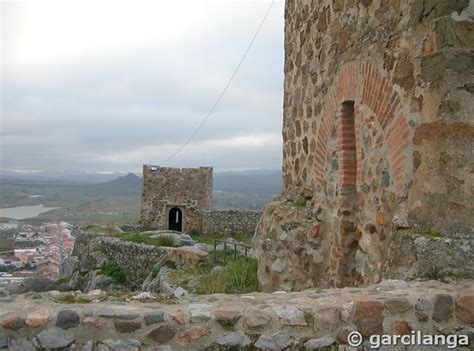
[[188, 140]]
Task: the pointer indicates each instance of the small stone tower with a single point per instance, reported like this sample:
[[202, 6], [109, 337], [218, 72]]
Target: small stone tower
[[172, 197]]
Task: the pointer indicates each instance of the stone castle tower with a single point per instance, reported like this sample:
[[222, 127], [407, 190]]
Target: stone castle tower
[[378, 136], [173, 197]]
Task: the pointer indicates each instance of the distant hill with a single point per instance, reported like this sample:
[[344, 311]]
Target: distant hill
[[236, 189], [59, 177], [261, 181], [129, 185]]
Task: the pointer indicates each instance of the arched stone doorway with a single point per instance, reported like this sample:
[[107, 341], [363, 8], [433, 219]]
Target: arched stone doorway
[[175, 219]]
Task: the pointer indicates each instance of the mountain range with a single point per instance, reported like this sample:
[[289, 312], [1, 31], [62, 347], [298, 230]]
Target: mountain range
[[243, 189]]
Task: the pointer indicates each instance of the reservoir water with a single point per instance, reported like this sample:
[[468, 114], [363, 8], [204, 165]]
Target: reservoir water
[[23, 212]]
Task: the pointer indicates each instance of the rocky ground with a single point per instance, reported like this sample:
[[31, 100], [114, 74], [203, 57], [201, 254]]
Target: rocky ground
[[310, 320]]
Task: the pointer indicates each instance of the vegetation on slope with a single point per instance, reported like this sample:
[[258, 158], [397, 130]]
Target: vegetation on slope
[[237, 277], [115, 272]]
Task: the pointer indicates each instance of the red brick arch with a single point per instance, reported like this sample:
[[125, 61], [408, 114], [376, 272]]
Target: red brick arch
[[364, 84]]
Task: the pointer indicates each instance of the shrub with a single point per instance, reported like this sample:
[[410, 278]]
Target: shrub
[[115, 272], [170, 264], [155, 271], [237, 277], [64, 280]]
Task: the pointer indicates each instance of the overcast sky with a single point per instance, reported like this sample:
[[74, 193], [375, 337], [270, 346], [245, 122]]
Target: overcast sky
[[109, 85]]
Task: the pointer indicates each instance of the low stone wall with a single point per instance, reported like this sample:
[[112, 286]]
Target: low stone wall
[[307, 320], [135, 260], [230, 221]]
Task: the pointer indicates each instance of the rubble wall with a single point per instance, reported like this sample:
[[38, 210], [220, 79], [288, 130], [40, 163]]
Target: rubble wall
[[93, 250], [378, 135], [227, 222]]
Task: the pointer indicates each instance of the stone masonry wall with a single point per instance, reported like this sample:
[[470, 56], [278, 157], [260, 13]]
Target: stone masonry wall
[[135, 260], [230, 221], [189, 189], [310, 320], [378, 135]]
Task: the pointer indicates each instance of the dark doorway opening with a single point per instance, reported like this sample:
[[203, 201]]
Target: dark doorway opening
[[175, 219]]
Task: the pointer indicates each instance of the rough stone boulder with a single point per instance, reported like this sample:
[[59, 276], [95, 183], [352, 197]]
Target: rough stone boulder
[[414, 255], [187, 255], [68, 266], [179, 239]]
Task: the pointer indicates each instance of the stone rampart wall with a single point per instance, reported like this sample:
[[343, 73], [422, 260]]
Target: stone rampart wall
[[308, 320], [135, 260], [228, 222]]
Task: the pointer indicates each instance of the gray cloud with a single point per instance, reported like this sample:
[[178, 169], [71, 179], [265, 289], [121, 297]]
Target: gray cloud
[[117, 109]]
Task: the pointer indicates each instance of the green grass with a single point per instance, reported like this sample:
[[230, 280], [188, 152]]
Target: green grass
[[115, 272], [230, 256], [237, 277], [165, 241], [429, 233]]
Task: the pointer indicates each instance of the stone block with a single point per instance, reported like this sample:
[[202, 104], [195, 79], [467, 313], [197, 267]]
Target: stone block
[[67, 319], [443, 307], [162, 334], [195, 333], [37, 318], [154, 317], [398, 305], [465, 307], [227, 318], [124, 326], [368, 317]]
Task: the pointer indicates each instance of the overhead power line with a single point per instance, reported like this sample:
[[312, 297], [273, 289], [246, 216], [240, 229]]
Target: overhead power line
[[188, 140]]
